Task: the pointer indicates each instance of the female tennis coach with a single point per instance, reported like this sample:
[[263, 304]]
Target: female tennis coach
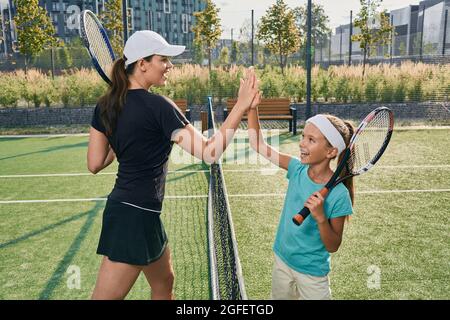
[[139, 128]]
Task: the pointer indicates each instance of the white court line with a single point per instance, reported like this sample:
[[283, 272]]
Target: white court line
[[45, 135], [444, 166], [416, 128], [405, 128], [204, 196], [53, 175], [82, 174], [114, 173], [256, 195], [94, 199], [431, 166], [369, 192], [52, 200]]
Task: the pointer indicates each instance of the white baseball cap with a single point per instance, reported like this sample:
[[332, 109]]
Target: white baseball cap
[[145, 43]]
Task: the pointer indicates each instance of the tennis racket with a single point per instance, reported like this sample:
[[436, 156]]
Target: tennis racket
[[365, 148], [96, 41]]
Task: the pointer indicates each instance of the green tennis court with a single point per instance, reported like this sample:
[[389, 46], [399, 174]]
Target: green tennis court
[[395, 246]]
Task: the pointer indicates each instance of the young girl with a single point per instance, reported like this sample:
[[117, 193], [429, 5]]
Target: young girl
[[302, 253], [139, 128]]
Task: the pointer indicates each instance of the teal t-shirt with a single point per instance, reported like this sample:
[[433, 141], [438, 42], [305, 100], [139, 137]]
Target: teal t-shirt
[[301, 247]]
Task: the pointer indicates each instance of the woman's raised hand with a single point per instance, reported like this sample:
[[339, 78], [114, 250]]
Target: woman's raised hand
[[248, 89]]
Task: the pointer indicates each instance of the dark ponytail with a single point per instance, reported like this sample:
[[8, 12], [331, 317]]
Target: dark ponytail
[[111, 103]]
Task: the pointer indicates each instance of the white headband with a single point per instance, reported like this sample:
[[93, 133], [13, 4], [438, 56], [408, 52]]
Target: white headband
[[329, 131]]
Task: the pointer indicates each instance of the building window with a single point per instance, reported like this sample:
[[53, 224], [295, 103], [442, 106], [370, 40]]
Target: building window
[[167, 26], [159, 5], [150, 19], [100, 6], [184, 23], [166, 6], [130, 18]]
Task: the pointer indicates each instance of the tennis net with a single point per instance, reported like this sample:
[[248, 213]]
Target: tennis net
[[226, 279]]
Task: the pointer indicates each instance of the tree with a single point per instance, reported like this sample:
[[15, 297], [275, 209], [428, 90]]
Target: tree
[[277, 30], [198, 55], [245, 41], [402, 48], [207, 28], [2, 24], [319, 26], [35, 31], [224, 56], [79, 54], [111, 19], [235, 55], [370, 36], [245, 31], [64, 58]]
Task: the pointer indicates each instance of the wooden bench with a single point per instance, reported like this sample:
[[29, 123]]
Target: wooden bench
[[271, 109], [183, 105]]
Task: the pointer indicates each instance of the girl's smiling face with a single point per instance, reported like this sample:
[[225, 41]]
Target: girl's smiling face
[[314, 147]]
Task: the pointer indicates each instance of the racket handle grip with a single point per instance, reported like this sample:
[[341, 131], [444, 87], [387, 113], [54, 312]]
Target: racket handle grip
[[299, 217]]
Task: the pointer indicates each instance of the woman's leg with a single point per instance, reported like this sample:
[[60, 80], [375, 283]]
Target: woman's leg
[[160, 277], [115, 280]]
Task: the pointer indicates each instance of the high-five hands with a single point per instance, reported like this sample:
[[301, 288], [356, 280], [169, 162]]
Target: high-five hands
[[249, 96]]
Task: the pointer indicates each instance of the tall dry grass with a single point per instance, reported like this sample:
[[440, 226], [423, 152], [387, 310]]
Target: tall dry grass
[[343, 84]]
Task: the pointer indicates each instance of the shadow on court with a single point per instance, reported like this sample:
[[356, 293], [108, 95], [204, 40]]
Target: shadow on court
[[45, 229], [7, 139], [60, 270]]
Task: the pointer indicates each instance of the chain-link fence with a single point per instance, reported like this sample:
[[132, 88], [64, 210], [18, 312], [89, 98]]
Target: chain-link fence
[[52, 61], [412, 66]]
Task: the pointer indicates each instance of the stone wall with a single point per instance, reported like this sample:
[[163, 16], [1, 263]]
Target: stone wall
[[403, 111], [28, 117], [18, 117]]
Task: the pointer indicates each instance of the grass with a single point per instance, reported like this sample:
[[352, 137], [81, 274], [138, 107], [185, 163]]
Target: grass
[[404, 237], [55, 129], [40, 242]]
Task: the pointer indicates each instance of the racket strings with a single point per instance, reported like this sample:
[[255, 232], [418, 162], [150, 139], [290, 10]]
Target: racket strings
[[97, 45], [370, 141]]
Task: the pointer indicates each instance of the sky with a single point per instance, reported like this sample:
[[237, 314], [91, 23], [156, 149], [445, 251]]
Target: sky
[[233, 13]]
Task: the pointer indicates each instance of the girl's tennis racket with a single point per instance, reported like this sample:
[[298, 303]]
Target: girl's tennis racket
[[96, 40], [366, 147]]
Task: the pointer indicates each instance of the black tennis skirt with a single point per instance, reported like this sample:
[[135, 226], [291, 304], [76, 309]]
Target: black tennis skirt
[[131, 235]]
